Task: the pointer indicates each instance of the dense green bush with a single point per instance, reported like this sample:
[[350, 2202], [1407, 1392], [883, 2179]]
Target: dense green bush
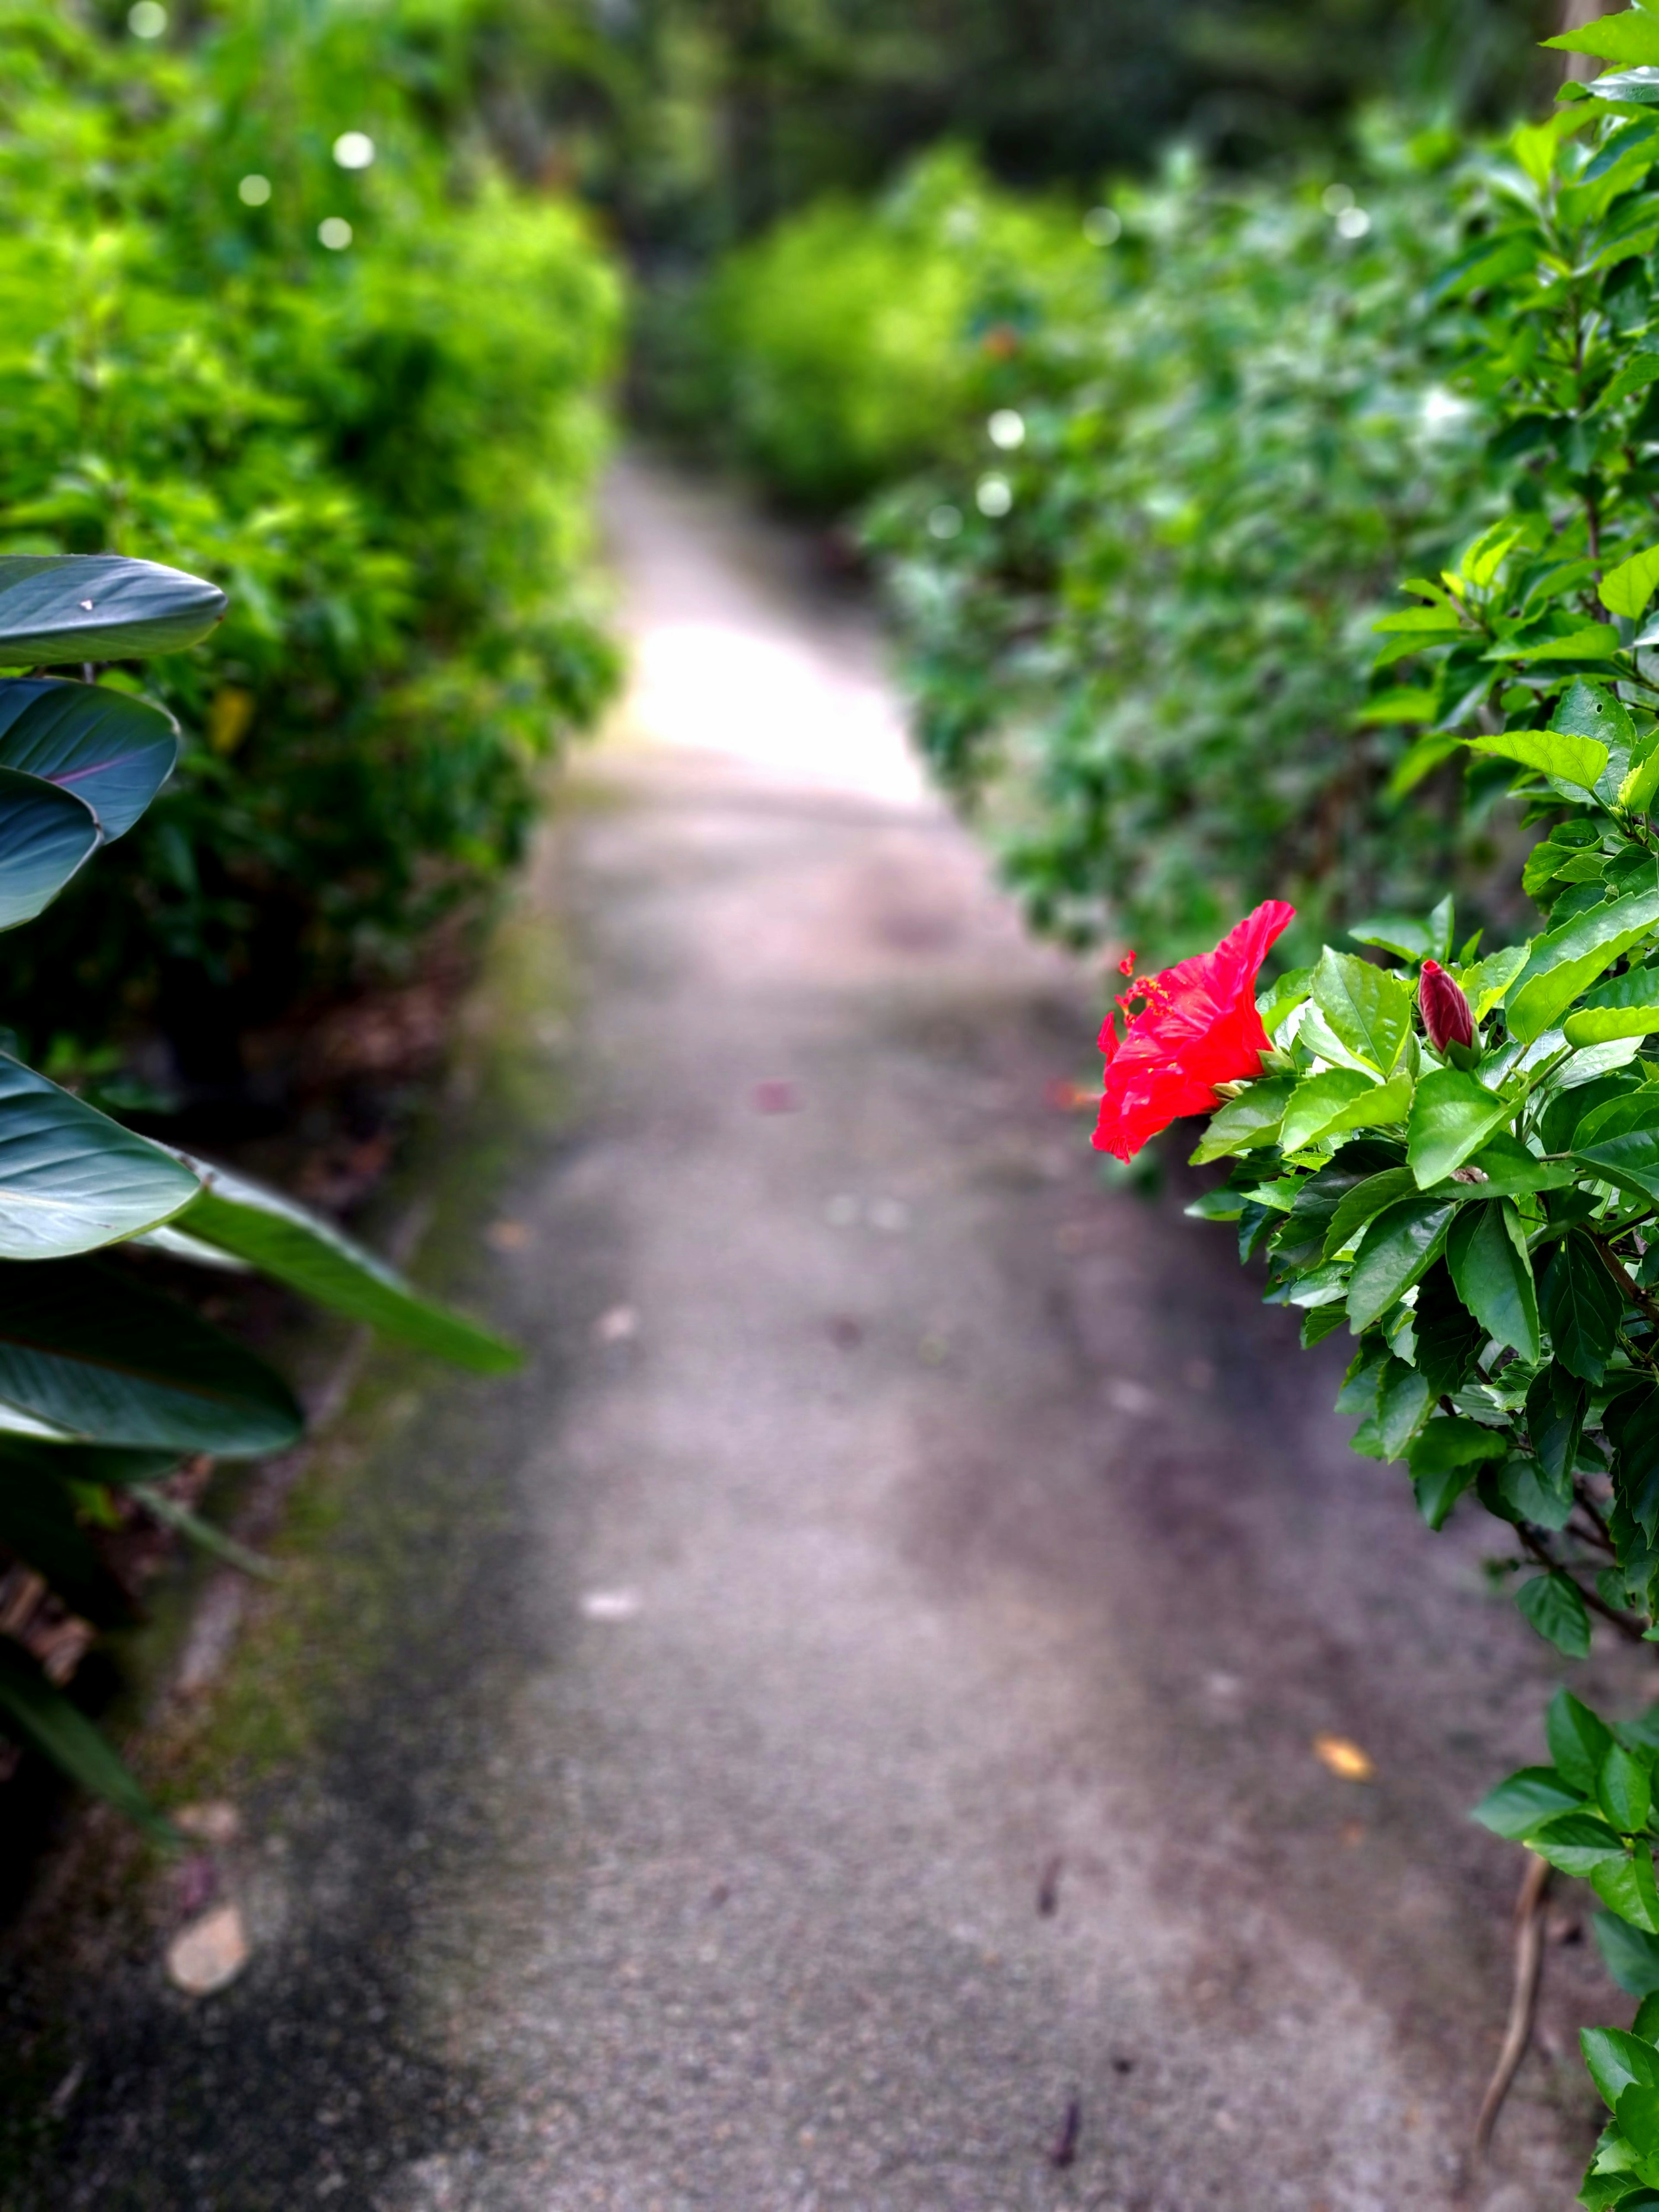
[[1458, 1156], [854, 342], [384, 447], [1134, 636]]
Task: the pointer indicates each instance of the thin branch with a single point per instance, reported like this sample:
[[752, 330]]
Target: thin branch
[[1523, 1999]]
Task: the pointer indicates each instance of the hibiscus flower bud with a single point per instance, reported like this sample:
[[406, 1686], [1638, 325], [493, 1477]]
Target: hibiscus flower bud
[[1446, 1015]]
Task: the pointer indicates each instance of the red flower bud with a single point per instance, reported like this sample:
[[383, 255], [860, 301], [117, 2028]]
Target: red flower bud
[[1446, 1015]]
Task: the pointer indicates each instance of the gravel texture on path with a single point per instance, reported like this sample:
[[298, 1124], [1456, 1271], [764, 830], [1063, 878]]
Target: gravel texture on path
[[862, 1757]]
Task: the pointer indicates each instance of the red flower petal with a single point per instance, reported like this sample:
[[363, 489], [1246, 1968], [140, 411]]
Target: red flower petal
[[1199, 1028]]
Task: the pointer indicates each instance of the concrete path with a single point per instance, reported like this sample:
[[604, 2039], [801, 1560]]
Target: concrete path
[[857, 1754]]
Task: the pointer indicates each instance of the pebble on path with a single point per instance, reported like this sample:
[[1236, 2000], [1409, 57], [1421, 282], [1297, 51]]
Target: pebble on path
[[208, 1953]]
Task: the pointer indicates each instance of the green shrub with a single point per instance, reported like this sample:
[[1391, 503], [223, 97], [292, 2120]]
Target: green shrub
[[1457, 1157], [854, 344], [1141, 663], [392, 482]]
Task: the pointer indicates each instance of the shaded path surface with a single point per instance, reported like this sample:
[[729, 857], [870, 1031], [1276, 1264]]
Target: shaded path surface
[[879, 1722]]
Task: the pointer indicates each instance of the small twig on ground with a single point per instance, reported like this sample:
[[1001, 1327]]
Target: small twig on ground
[[1523, 2001], [1064, 2150]]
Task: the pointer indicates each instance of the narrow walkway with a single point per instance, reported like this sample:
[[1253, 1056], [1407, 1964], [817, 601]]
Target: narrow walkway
[[887, 1782]]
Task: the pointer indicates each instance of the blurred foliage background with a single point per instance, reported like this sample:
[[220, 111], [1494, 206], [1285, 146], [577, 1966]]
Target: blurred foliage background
[[324, 300]]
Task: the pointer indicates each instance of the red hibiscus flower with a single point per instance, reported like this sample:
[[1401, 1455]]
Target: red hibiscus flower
[[1198, 1027]]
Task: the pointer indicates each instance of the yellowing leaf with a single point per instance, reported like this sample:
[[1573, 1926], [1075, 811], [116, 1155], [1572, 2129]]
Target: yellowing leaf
[[1344, 1758]]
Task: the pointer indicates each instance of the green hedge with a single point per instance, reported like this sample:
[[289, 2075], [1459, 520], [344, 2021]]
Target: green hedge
[[383, 451], [849, 343]]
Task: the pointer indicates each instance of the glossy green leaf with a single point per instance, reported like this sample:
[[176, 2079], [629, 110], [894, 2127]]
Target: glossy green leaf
[[1627, 1887], [99, 1358], [1601, 1025], [1317, 1101], [1369, 1008], [1631, 1160], [1523, 1491], [1577, 761], [1579, 1740], [1248, 1121], [1631, 1423], [37, 1711], [1564, 961], [1556, 1406], [56, 608], [1631, 1957], [1403, 1403], [1630, 36], [1581, 1307], [1616, 2058], [1551, 1604], [71, 1179], [45, 835], [1487, 1253], [1400, 1244], [1626, 589], [1452, 1117], [312, 1256], [1637, 87], [1363, 1203], [1525, 1801], [1484, 983], [1624, 1791], [110, 751], [1445, 1459]]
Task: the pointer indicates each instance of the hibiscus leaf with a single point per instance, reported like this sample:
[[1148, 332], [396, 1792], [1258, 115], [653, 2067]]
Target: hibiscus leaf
[[1615, 2057], [1625, 1791], [1564, 961], [1582, 1307], [1400, 1244], [1251, 1119], [1579, 1740], [1627, 1886], [1524, 1801], [1317, 1101], [1563, 758], [1486, 1252], [1369, 1008], [1554, 1605], [1444, 1460], [1452, 1117], [1364, 1202]]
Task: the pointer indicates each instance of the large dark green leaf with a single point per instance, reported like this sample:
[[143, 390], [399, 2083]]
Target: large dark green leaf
[[45, 835], [1400, 1244], [95, 1357], [1582, 1307], [71, 1179], [1631, 1422], [1445, 1459], [1487, 1253], [1616, 2058], [1448, 1338], [111, 750], [57, 608], [312, 1256], [1556, 1406], [38, 1711]]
